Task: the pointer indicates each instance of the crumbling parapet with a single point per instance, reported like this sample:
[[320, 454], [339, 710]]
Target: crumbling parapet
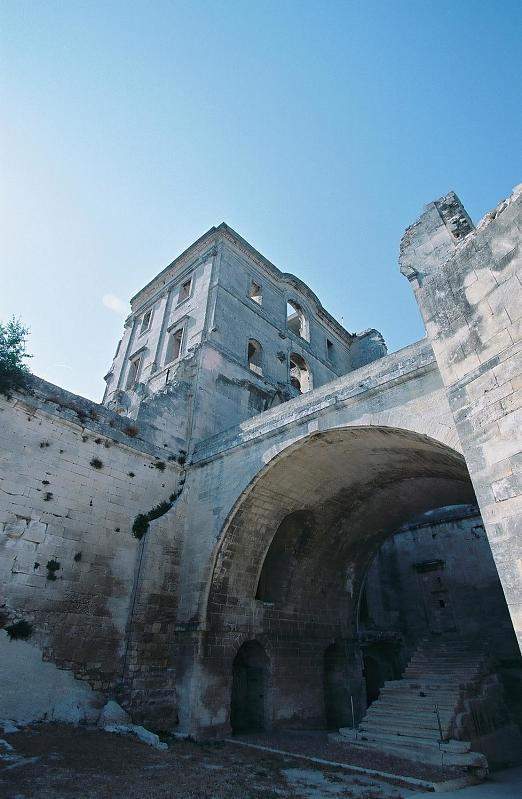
[[467, 282]]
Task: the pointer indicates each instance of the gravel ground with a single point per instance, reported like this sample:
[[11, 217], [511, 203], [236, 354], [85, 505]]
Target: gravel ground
[[62, 762], [318, 744]]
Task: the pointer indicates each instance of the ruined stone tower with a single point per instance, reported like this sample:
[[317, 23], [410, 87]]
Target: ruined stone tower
[[221, 335]]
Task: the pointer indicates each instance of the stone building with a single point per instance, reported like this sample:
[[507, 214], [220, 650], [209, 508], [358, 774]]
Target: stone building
[[316, 522]]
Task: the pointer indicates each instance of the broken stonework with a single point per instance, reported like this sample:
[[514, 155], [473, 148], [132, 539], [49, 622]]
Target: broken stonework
[[112, 713]]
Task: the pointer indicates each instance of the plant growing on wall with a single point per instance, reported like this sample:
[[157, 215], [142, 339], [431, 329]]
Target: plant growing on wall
[[52, 567], [19, 630], [13, 370]]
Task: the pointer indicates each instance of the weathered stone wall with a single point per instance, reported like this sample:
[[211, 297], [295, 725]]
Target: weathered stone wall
[[399, 597], [401, 391], [73, 476], [468, 286]]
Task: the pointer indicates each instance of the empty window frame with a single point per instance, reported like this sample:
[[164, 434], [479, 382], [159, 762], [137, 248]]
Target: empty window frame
[[184, 290], [296, 321], [256, 292], [255, 357], [300, 374], [146, 321], [134, 372], [329, 350], [174, 345]]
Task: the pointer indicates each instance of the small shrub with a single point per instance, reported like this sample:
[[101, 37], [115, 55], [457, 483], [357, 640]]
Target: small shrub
[[45, 482], [96, 463], [131, 474], [140, 526], [52, 567], [78, 557], [36, 566], [182, 457], [98, 440], [158, 511], [19, 630], [131, 431], [44, 444], [48, 496], [93, 415], [107, 444], [80, 413], [13, 371], [160, 465], [116, 529], [84, 438]]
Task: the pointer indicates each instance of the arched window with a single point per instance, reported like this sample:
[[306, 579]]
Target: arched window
[[296, 321], [255, 356], [300, 374]]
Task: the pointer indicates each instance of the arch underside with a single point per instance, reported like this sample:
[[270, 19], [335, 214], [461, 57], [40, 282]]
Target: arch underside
[[349, 489]]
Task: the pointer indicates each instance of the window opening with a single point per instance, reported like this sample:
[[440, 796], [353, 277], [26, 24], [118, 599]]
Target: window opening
[[329, 349], [300, 375], [174, 345], [145, 322], [184, 292], [132, 377], [255, 357], [296, 320], [256, 293]]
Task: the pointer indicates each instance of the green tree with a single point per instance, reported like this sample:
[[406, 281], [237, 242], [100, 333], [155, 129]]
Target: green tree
[[13, 371]]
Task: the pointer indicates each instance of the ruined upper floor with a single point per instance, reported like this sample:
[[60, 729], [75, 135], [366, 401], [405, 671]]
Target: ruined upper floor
[[242, 334]]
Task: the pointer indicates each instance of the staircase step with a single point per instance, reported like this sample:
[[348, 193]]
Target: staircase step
[[410, 741], [423, 718], [420, 733]]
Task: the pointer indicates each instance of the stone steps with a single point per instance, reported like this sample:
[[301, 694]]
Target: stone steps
[[403, 720], [422, 719]]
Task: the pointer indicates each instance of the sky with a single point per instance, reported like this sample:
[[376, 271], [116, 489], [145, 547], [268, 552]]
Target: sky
[[317, 130]]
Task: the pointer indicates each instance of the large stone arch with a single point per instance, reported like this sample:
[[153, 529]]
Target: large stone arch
[[358, 484]]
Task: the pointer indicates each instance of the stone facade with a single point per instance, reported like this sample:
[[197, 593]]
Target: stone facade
[[468, 285], [306, 448]]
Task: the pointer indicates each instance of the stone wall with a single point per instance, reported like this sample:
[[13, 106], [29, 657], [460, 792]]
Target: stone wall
[[468, 285], [73, 476], [400, 596]]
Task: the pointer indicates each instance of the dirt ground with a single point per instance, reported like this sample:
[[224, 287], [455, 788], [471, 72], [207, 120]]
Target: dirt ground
[[64, 762]]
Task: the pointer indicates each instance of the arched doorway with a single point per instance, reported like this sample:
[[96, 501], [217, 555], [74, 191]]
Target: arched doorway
[[337, 698], [324, 506], [250, 681]]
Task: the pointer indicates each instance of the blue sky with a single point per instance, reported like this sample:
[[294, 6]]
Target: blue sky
[[318, 130]]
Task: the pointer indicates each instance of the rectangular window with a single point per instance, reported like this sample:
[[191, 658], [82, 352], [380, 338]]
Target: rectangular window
[[184, 292], [145, 322], [134, 371], [329, 349], [174, 345], [256, 293]]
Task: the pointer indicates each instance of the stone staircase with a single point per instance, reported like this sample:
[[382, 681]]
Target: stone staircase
[[404, 720]]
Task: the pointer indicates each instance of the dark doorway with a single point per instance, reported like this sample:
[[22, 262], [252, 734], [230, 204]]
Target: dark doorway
[[250, 674], [373, 677], [336, 688], [381, 663]]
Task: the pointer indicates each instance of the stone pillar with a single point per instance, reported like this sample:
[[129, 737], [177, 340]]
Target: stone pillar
[[467, 282]]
